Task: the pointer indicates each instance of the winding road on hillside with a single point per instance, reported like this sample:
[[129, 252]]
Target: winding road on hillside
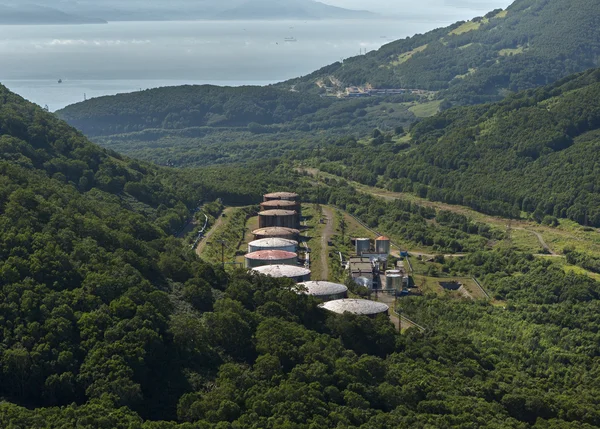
[[209, 234]]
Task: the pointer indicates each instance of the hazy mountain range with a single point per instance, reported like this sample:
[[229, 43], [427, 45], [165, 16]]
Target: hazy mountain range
[[88, 11]]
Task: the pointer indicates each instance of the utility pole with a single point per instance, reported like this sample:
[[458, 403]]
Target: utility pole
[[222, 243]]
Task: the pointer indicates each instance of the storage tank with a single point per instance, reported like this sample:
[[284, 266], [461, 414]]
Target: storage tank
[[276, 232], [273, 243], [325, 291], [393, 281], [360, 307], [283, 218], [382, 245], [281, 205], [270, 257], [288, 196], [298, 274], [362, 245]]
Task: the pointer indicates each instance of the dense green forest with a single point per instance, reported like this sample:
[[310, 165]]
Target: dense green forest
[[531, 43], [197, 111], [536, 151], [109, 322]]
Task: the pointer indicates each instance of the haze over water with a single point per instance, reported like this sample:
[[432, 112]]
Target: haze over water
[[128, 56]]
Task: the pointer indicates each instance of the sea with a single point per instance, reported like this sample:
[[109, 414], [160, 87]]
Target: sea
[[118, 57]]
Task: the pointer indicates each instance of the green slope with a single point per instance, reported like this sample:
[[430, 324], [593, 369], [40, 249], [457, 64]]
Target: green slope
[[536, 151], [532, 43], [107, 322]]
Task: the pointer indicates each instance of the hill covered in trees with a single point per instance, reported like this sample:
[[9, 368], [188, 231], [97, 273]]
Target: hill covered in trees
[[110, 322], [536, 151], [531, 43]]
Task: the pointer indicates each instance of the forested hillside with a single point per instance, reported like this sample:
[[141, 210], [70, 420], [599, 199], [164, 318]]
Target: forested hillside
[[531, 43], [536, 151], [203, 110], [109, 322]]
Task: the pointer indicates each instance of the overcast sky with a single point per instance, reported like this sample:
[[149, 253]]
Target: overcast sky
[[454, 8]]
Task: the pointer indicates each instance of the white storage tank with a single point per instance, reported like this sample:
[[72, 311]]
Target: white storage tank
[[298, 274], [360, 307], [363, 245], [325, 291], [273, 243], [270, 257]]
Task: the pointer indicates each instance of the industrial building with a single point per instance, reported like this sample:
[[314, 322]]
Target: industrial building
[[298, 274], [361, 267], [276, 232], [270, 257], [282, 218], [360, 307], [325, 291], [273, 243], [288, 196]]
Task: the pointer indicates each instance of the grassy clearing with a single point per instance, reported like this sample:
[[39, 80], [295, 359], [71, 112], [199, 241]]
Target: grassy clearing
[[425, 110], [402, 58], [232, 231], [567, 234], [508, 52], [502, 14], [467, 26], [314, 233]]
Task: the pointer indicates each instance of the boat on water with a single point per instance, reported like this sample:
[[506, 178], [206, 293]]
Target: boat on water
[[59, 80], [290, 39]]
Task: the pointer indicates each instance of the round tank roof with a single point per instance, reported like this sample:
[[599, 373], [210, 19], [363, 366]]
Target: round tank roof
[[276, 230], [355, 306], [273, 242], [281, 271], [278, 213], [281, 195], [319, 288], [279, 203], [382, 238], [271, 255]]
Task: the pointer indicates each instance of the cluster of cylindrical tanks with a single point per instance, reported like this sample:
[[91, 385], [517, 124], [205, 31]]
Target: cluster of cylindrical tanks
[[274, 251], [382, 246]]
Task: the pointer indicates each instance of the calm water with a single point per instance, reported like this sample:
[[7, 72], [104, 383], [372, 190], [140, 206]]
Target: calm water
[[126, 56]]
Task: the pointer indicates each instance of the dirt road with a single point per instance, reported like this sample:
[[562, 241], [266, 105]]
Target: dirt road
[[328, 232], [209, 234]]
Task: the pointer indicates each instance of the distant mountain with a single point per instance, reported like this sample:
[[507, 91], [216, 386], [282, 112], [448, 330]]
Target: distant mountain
[[531, 43], [290, 9], [29, 14], [138, 10]]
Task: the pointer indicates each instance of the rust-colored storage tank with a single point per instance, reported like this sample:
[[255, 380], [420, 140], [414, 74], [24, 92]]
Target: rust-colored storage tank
[[276, 232], [382, 245], [270, 257], [283, 218]]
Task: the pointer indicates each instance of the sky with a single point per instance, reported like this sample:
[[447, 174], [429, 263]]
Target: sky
[[454, 8]]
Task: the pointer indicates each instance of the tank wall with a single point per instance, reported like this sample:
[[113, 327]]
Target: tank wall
[[285, 221], [362, 245], [253, 263], [290, 248], [382, 246], [286, 236]]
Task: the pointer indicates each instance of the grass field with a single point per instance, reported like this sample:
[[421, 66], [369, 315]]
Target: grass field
[[402, 58], [466, 27], [425, 110], [508, 52]]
